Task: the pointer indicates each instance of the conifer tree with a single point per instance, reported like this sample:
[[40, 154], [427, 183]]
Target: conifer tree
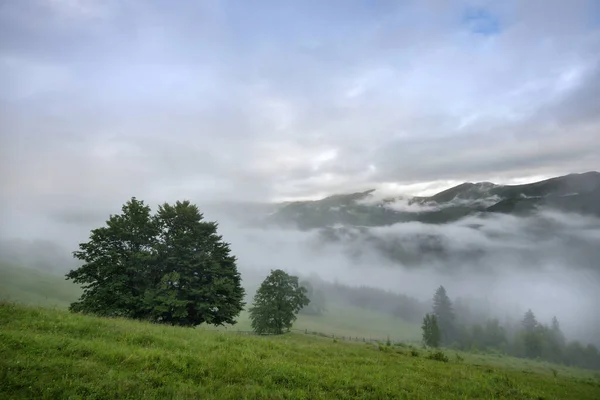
[[442, 309], [532, 335], [529, 322], [431, 331]]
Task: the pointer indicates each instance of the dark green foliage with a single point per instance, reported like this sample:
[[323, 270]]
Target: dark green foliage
[[168, 268], [438, 356], [199, 278], [117, 260], [431, 331], [442, 309], [276, 303]]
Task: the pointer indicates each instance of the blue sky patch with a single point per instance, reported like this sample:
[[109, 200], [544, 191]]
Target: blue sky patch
[[481, 21]]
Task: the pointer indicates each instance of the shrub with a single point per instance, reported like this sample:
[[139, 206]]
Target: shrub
[[438, 356]]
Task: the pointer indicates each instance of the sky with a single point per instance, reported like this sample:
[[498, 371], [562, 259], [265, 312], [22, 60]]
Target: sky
[[216, 100]]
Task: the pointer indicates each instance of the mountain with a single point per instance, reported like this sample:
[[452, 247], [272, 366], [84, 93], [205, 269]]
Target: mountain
[[579, 193]]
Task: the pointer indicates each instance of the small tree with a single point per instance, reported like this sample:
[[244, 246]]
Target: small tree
[[442, 308], [533, 334], [557, 333], [529, 322], [431, 331], [276, 303]]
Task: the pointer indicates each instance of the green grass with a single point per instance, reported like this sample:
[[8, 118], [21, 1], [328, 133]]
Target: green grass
[[53, 354], [346, 322], [34, 287]]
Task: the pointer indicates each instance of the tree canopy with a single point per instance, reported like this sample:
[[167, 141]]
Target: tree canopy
[[277, 302], [171, 267]]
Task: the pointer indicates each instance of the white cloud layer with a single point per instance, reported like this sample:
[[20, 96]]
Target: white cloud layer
[[106, 99]]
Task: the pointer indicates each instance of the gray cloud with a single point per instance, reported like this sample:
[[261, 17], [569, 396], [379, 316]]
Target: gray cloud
[[105, 100]]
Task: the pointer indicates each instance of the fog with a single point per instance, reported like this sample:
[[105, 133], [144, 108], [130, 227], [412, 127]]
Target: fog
[[239, 106], [546, 261]]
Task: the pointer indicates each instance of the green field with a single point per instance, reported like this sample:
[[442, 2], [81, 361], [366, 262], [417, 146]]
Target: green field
[[54, 354], [346, 322], [34, 287], [51, 353]]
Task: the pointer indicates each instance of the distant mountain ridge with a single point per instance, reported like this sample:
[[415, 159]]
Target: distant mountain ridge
[[579, 193]]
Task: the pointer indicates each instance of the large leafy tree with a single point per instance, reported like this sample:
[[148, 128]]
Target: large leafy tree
[[442, 309], [277, 302], [199, 281], [170, 268], [117, 261]]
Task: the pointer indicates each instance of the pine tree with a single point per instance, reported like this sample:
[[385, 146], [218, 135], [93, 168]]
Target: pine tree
[[532, 335], [442, 309], [277, 302], [557, 332], [529, 322], [431, 331], [554, 342]]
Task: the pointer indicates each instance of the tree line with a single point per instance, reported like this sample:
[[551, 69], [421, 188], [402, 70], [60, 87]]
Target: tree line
[[531, 339]]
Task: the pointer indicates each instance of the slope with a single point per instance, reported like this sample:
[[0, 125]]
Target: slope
[[55, 354], [34, 287], [349, 322]]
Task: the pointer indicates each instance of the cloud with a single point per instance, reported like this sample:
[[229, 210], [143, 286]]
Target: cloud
[[546, 261], [213, 101], [219, 101]]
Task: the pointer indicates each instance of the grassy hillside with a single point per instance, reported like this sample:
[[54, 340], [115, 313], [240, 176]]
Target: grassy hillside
[[34, 287], [346, 321], [54, 354]]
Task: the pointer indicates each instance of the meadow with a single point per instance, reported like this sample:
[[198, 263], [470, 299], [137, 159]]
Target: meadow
[[33, 287], [49, 353]]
